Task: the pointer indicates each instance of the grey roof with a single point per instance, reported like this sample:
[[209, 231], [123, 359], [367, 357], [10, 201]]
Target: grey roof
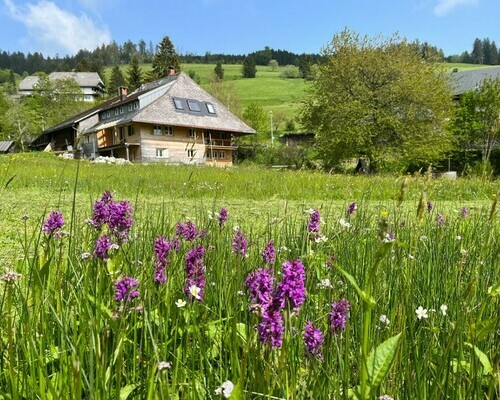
[[464, 81], [6, 145], [83, 79], [163, 112], [28, 82]]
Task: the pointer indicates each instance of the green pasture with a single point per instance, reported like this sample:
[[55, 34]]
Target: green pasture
[[417, 260]]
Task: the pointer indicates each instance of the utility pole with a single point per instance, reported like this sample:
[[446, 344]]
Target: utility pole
[[272, 133]]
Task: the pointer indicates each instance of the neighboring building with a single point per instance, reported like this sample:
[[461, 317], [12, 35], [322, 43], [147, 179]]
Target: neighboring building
[[7, 146], [172, 120], [297, 138], [90, 83], [467, 80]]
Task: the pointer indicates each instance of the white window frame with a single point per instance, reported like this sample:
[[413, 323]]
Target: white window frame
[[191, 153]]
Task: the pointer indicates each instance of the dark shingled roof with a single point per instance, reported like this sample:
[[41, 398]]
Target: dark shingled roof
[[464, 81]]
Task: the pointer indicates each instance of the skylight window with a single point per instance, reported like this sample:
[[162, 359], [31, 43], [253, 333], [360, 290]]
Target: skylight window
[[210, 108], [194, 105], [178, 104]]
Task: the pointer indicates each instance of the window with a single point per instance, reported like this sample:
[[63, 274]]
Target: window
[[131, 130], [192, 133], [178, 104], [191, 153], [136, 105], [169, 131], [194, 105], [157, 130], [210, 108], [130, 107], [108, 114], [122, 110], [161, 153], [116, 111], [122, 133]]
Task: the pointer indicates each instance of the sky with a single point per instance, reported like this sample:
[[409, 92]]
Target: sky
[[62, 27]]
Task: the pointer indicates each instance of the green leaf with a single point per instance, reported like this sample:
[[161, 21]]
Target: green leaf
[[483, 358], [361, 293], [494, 290], [127, 390], [380, 360], [237, 393]]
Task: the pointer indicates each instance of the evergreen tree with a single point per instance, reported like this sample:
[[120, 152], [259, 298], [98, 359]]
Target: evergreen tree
[[487, 52], [164, 59], [219, 71], [477, 51], [134, 73], [249, 70], [494, 53], [115, 81]]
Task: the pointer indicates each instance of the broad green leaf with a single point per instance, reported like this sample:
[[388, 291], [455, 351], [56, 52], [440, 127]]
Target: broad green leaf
[[237, 393], [483, 358], [494, 290], [481, 329], [242, 331], [361, 293], [127, 390], [380, 360]]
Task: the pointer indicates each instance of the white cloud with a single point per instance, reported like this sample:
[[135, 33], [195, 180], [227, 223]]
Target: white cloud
[[443, 7], [52, 30]]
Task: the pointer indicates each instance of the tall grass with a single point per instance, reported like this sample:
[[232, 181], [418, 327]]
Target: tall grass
[[64, 335]]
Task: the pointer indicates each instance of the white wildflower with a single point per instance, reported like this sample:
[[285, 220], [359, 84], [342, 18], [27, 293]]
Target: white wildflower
[[162, 365], [321, 239], [458, 238], [423, 238], [383, 318], [444, 309], [344, 224], [85, 255], [10, 277], [195, 291], [325, 284], [225, 389], [421, 312], [180, 303]]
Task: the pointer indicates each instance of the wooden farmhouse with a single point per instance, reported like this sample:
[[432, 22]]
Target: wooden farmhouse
[[172, 120]]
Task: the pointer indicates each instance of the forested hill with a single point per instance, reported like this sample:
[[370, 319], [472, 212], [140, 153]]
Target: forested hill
[[114, 54]]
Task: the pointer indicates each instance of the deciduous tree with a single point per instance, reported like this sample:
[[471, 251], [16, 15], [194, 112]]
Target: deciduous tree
[[378, 98], [477, 118]]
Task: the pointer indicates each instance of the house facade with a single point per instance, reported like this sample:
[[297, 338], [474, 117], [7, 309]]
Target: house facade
[[90, 83], [172, 120]]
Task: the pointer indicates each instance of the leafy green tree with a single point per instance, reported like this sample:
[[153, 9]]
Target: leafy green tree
[[219, 71], [165, 58], [115, 81], [249, 69], [274, 65], [477, 118], [255, 116], [378, 98], [134, 73]]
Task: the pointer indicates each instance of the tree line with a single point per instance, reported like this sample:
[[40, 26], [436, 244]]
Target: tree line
[[484, 52]]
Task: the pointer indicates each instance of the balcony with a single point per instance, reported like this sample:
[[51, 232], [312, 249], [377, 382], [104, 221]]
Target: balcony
[[219, 143]]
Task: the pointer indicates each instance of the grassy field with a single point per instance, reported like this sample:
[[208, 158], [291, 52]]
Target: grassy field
[[378, 286]]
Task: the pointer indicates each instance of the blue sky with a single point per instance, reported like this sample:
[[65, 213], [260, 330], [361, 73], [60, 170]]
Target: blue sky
[[240, 26]]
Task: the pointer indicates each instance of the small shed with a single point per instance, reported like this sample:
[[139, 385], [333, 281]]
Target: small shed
[[7, 146], [297, 138]]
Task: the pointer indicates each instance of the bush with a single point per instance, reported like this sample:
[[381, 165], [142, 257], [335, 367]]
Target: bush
[[290, 72]]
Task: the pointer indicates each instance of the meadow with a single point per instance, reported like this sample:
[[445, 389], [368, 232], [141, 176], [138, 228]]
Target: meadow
[[180, 282]]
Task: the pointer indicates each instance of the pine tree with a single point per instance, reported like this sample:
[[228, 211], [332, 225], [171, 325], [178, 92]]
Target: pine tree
[[487, 52], [219, 71], [164, 59], [477, 51], [494, 53], [249, 70], [115, 81], [134, 73]]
